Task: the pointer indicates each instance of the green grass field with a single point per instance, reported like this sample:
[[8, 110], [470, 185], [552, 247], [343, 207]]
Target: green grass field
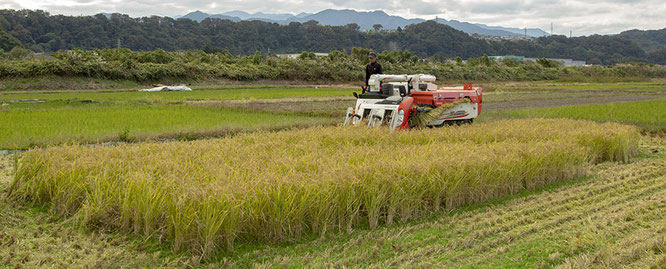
[[90, 123], [651, 115]]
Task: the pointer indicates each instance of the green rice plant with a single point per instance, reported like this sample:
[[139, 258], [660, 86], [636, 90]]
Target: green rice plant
[[203, 196], [651, 115], [100, 123]]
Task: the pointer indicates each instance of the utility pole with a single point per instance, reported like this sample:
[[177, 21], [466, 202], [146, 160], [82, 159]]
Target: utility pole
[[118, 43], [525, 31], [570, 33], [551, 28]]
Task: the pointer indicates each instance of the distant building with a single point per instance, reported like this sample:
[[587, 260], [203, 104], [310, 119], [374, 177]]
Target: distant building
[[506, 57], [502, 38], [295, 55], [564, 62]]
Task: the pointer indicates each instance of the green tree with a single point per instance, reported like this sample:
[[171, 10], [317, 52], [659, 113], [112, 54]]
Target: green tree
[[377, 27], [7, 41]]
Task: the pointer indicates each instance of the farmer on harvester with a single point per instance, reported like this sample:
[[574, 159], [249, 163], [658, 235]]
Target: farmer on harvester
[[372, 68]]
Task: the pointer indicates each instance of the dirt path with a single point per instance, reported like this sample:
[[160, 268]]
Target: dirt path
[[512, 105]]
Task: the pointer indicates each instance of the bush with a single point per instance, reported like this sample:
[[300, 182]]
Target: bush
[[17, 53], [148, 66], [548, 63], [307, 55]]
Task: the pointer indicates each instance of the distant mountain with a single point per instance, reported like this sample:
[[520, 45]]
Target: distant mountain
[[303, 14], [649, 40], [199, 16], [238, 15], [259, 15], [474, 28], [533, 32], [365, 21]]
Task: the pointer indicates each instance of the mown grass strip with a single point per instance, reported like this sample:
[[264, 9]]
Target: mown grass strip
[[205, 195]]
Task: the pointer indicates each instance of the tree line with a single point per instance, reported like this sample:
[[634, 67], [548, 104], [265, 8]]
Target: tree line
[[39, 31]]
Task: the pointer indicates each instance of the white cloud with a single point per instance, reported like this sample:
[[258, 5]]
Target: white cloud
[[580, 16]]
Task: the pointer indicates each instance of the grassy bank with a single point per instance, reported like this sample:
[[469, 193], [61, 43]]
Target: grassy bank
[[206, 195]]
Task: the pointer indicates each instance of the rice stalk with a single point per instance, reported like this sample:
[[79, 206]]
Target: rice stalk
[[422, 119], [203, 196]]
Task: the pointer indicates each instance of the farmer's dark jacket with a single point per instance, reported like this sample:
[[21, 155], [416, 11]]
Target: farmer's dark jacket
[[371, 69]]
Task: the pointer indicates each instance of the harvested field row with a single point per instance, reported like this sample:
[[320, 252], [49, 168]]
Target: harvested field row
[[205, 195]]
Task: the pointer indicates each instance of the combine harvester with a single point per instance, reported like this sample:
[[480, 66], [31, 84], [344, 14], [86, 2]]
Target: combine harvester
[[408, 101]]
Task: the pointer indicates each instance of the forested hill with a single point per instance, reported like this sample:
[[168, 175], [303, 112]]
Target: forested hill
[[652, 41], [39, 31]]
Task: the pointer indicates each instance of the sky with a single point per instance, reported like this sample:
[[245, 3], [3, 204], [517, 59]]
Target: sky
[[578, 16]]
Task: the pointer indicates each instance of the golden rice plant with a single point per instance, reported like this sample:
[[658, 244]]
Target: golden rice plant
[[205, 195]]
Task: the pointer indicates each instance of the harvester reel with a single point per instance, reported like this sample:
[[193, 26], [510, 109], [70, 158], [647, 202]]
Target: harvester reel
[[350, 117], [376, 117]]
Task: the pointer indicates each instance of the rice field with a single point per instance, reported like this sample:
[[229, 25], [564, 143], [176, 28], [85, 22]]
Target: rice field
[[98, 116], [548, 227], [648, 114], [92, 123], [615, 218], [40, 118], [206, 196]]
